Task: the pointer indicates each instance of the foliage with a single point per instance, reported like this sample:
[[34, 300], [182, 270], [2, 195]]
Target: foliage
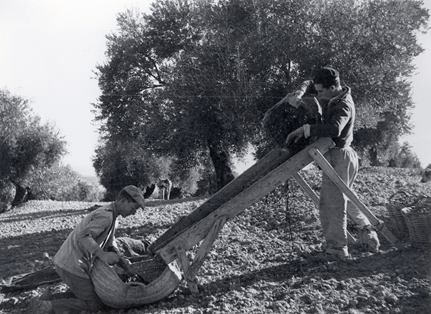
[[123, 163], [61, 183], [30, 152], [26, 145], [192, 80], [404, 157]]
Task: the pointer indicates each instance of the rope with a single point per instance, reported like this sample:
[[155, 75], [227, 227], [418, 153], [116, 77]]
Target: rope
[[289, 214]]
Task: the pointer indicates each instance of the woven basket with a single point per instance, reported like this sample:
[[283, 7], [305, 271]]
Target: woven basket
[[398, 201], [117, 294], [418, 220], [149, 268]]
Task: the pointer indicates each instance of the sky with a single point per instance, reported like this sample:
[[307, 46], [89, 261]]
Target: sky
[[49, 50], [420, 140]]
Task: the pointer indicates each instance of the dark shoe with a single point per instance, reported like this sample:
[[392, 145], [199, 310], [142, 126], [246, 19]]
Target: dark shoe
[[330, 255], [337, 254]]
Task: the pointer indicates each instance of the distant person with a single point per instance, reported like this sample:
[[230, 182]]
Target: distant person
[[165, 187], [338, 120], [93, 235]]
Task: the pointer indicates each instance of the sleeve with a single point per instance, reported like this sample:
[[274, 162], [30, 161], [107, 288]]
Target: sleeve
[[97, 225], [305, 87]]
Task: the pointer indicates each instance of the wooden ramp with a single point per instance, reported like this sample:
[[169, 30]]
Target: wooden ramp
[[205, 223]]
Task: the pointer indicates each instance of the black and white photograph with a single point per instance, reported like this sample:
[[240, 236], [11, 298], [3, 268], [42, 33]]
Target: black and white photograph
[[215, 156]]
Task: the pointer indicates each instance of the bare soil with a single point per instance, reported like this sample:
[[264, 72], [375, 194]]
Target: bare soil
[[266, 260]]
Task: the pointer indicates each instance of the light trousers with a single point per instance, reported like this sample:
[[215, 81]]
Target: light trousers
[[334, 205]]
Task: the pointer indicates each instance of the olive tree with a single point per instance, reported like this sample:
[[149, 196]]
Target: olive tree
[[26, 144], [193, 79]]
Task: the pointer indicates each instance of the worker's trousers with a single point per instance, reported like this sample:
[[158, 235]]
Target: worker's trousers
[[334, 205], [80, 297]]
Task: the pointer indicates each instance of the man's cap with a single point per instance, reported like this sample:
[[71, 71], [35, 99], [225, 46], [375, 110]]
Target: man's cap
[[136, 194], [328, 72]]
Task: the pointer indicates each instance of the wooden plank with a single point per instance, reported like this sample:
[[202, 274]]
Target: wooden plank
[[264, 165], [315, 198], [239, 203], [327, 168]]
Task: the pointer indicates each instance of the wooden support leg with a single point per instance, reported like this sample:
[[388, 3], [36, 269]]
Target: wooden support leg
[[185, 265], [190, 271], [307, 189], [315, 198], [206, 245], [327, 168]]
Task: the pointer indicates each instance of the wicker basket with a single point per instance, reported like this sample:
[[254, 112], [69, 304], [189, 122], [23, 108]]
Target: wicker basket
[[397, 202], [164, 279], [418, 220]]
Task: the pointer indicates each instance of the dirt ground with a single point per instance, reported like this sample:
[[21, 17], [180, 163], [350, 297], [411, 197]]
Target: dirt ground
[[266, 260]]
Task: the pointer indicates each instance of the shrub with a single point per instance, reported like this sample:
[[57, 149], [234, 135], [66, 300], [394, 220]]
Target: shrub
[[61, 183]]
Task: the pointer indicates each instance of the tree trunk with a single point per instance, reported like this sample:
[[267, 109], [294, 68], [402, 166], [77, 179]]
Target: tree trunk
[[374, 157], [7, 194], [21, 195], [221, 162]]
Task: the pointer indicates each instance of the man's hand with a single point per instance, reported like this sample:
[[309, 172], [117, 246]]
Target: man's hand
[[295, 136], [294, 99], [125, 264], [110, 258]]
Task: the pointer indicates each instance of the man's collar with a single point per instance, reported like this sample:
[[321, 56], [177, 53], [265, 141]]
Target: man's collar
[[112, 208], [343, 94]]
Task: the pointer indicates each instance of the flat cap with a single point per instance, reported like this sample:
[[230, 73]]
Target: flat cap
[[136, 194]]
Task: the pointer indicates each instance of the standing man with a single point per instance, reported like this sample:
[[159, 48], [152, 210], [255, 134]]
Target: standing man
[[92, 236], [338, 119]]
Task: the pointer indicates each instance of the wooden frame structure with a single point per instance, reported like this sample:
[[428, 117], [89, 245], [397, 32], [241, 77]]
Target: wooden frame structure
[[205, 223]]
